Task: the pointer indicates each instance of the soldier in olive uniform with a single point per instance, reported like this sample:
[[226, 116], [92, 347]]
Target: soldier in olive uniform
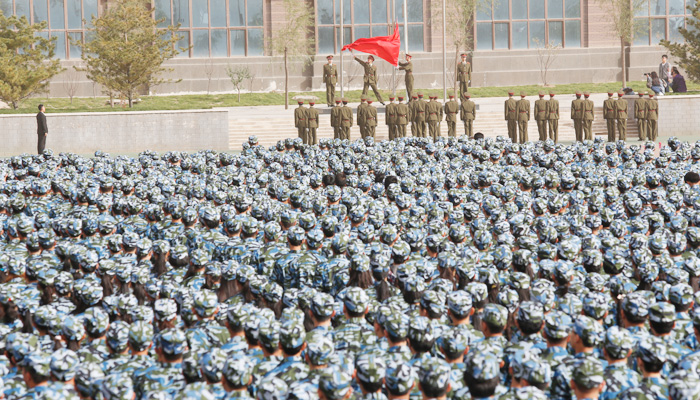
[[553, 117], [402, 114], [370, 118], [312, 122], [640, 113], [511, 116], [361, 116], [412, 115], [300, 121], [523, 108], [335, 119], [345, 120], [464, 75], [435, 116], [541, 116], [468, 115], [370, 78], [451, 111], [407, 66], [621, 116], [588, 116], [330, 78], [390, 118], [420, 116], [610, 115], [577, 116], [652, 115]]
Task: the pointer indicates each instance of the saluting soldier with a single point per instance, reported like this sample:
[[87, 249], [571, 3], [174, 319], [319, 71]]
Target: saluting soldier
[[523, 108], [468, 115], [420, 117], [402, 114], [511, 115], [652, 115], [435, 115], [370, 118], [361, 116], [640, 113], [553, 117], [541, 116], [588, 116], [300, 121], [407, 66], [335, 119], [390, 117], [464, 74], [577, 116], [621, 115], [370, 78], [312, 121], [412, 114], [610, 115], [345, 120], [330, 78], [451, 111]]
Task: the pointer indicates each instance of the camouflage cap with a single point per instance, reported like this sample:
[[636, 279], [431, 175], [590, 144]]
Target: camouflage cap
[[588, 373], [618, 342], [292, 334], [495, 315], [38, 363], [652, 349], [595, 305], [588, 329], [320, 351], [335, 385], [64, 364], [528, 393], [433, 302], [370, 368], [454, 341], [212, 364], [140, 335], [397, 326], [206, 303], [531, 311], [681, 294], [73, 328], [356, 300], [635, 304], [322, 305], [483, 366], [117, 337], [662, 312], [683, 385], [459, 302], [117, 387], [400, 380], [238, 370], [272, 389], [87, 378], [557, 325], [165, 309], [172, 341], [421, 330], [434, 375], [537, 371]]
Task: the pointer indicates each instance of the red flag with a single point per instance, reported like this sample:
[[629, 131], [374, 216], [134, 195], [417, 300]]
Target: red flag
[[385, 47]]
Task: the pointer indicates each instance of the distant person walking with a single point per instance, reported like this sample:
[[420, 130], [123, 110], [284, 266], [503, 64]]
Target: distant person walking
[[42, 130], [678, 83], [665, 72]]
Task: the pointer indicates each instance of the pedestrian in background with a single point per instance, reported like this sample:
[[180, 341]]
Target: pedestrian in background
[[42, 130], [665, 72]]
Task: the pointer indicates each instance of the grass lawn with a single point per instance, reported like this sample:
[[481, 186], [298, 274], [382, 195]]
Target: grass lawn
[[202, 101]]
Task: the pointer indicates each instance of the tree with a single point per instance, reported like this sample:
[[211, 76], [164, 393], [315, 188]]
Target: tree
[[238, 76], [294, 39], [71, 83], [688, 53], [126, 50], [26, 59], [621, 16], [546, 55]]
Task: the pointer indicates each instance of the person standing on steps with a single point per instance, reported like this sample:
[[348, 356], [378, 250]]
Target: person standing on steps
[[390, 118], [370, 77], [361, 109], [511, 115], [553, 117], [610, 115], [300, 121], [330, 78], [421, 115], [451, 111], [345, 120], [541, 116], [370, 119], [523, 107], [464, 74], [335, 118], [577, 116], [588, 116], [621, 116], [640, 114], [407, 66], [312, 122], [402, 114], [652, 117], [42, 129], [468, 115]]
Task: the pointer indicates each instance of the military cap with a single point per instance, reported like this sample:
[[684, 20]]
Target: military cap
[[433, 302], [588, 373], [272, 388], [335, 384], [329, 56], [397, 326], [420, 94], [370, 368], [73, 329], [356, 300], [588, 329], [344, 100], [87, 379], [523, 94], [467, 95], [337, 100], [421, 330], [238, 370], [557, 325], [400, 380], [586, 94], [483, 366], [300, 101], [618, 342], [64, 364], [322, 305], [541, 94], [652, 349], [172, 341], [292, 334], [536, 371], [651, 94], [478, 291], [400, 98], [165, 309], [434, 375], [552, 94], [212, 364], [206, 303], [369, 101], [495, 315], [459, 302], [38, 363], [511, 93], [268, 334], [662, 312], [117, 387], [610, 93], [531, 311], [635, 304], [681, 294], [320, 351], [451, 95], [46, 317]]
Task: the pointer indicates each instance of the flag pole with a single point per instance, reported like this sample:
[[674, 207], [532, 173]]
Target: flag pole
[[393, 73], [444, 52], [342, 43], [405, 25]]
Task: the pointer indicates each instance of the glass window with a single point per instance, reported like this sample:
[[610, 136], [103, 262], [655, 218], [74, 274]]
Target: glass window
[[657, 7], [183, 43], [361, 32], [415, 11], [200, 15], [380, 30], [536, 9], [162, 12], [379, 12], [41, 12], [555, 9], [6, 7], [674, 24], [483, 36], [238, 42], [658, 30], [675, 7], [22, 8], [201, 43], [555, 33], [520, 35], [519, 9], [399, 11], [643, 10], [415, 37], [255, 42], [236, 12], [641, 37], [60, 44], [537, 38], [324, 10], [347, 11], [573, 9], [74, 50], [500, 9], [255, 12], [75, 17], [483, 12], [573, 33], [90, 10], [361, 11], [325, 40], [218, 43], [218, 13], [500, 36], [181, 13], [57, 18]]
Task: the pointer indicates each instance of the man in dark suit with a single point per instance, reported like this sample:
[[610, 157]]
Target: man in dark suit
[[41, 129]]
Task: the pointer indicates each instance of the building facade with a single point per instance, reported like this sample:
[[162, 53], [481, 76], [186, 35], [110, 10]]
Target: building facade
[[507, 34]]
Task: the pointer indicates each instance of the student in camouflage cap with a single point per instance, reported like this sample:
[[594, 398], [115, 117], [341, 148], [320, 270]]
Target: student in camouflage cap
[[587, 380], [370, 370], [400, 380], [617, 348], [482, 375], [434, 378], [651, 355], [117, 387], [335, 385], [557, 327]]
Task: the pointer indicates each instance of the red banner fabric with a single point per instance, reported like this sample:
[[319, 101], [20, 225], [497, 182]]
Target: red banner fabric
[[384, 47]]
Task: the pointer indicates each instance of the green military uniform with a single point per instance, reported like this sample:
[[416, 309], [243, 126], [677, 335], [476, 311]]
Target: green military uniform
[[412, 115], [300, 121], [451, 111], [335, 119], [390, 118], [312, 123], [464, 75], [407, 66], [523, 108], [361, 116], [435, 115], [553, 118], [345, 120], [541, 116], [588, 117], [370, 119], [640, 113], [420, 116], [621, 116], [330, 78], [652, 114], [468, 115], [402, 114], [577, 116], [370, 78], [511, 115], [610, 115]]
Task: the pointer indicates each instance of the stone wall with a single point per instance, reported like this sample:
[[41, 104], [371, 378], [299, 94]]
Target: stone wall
[[678, 116], [118, 132]]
